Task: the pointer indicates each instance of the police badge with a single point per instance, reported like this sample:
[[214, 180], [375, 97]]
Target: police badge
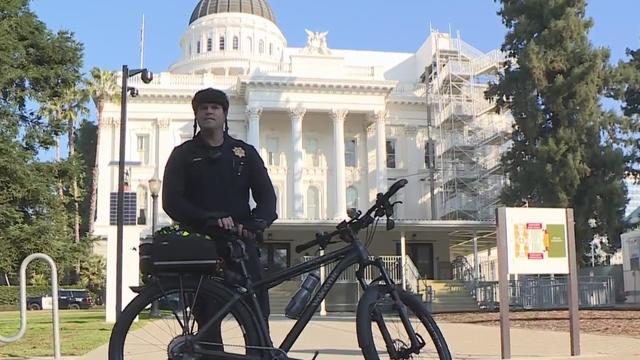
[[239, 152]]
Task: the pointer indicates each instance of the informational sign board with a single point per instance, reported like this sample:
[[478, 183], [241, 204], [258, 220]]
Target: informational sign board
[[537, 241]]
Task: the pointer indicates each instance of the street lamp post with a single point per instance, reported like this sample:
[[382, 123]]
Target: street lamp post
[[147, 77], [154, 188]]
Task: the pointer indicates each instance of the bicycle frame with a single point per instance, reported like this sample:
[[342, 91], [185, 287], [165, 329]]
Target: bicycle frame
[[355, 253]]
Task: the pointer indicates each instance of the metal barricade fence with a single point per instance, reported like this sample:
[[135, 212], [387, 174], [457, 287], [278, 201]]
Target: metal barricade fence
[[543, 292]]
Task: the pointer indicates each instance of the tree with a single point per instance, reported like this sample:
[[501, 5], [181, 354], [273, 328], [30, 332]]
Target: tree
[[36, 67], [86, 151], [63, 111], [560, 155], [625, 87], [102, 86]]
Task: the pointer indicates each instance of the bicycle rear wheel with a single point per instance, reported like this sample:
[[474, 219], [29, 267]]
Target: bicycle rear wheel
[[169, 334], [383, 335]]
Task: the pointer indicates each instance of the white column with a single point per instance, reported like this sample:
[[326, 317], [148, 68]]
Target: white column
[[297, 201], [338, 116], [253, 126], [381, 150], [412, 190], [165, 144], [403, 261]]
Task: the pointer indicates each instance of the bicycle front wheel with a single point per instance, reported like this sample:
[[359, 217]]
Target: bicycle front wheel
[[382, 333], [169, 332]]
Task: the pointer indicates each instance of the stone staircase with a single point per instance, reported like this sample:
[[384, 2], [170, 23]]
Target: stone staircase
[[450, 296], [280, 295]]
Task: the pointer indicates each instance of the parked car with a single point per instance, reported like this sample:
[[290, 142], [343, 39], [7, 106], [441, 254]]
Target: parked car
[[67, 299]]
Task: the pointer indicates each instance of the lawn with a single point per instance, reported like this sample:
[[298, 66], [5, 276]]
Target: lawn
[[80, 332]]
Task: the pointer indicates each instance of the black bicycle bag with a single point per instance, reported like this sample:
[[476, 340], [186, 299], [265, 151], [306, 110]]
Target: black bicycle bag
[[177, 250]]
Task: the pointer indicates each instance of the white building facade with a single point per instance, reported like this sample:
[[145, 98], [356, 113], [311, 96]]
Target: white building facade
[[334, 127]]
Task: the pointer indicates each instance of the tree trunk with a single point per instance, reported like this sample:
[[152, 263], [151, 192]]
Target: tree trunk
[[74, 184], [94, 173], [60, 191]]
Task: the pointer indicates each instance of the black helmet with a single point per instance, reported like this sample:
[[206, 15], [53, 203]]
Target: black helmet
[[210, 96]]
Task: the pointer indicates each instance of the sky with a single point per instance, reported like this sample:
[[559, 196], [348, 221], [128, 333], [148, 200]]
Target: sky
[[110, 30]]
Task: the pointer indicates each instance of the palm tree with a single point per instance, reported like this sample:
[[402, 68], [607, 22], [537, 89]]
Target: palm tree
[[62, 113], [52, 110], [102, 86], [75, 100]]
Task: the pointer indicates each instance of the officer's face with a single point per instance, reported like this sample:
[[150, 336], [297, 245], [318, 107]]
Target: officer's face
[[210, 117]]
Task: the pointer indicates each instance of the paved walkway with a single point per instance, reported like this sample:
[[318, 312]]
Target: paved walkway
[[335, 338]]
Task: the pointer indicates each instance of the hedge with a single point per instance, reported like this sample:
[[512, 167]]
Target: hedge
[[10, 295]]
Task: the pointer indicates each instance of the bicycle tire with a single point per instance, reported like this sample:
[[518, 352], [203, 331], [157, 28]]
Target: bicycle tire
[[374, 297], [130, 340]]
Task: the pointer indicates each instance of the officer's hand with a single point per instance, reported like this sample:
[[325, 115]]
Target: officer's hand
[[244, 233], [226, 223]]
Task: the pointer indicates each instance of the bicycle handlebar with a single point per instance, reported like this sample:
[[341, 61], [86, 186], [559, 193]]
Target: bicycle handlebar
[[356, 224]]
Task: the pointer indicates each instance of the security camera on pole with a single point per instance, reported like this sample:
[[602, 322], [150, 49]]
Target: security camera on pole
[[146, 77]]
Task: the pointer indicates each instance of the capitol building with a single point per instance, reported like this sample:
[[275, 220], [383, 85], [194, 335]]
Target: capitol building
[[334, 127]]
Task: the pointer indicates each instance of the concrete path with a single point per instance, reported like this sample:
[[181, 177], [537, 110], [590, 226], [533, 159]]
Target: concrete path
[[335, 338]]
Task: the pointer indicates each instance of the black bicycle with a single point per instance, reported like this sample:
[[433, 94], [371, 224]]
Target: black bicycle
[[390, 323]]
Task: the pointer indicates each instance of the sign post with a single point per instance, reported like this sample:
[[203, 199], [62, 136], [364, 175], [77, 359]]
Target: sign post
[[536, 241]]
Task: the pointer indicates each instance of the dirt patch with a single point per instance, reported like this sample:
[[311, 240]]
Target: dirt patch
[[602, 322]]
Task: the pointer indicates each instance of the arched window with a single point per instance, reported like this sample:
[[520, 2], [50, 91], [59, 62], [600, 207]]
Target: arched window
[[236, 43], [249, 47], [352, 197], [313, 203], [261, 47]]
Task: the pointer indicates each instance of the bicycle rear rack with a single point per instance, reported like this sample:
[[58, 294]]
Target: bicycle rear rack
[[23, 303]]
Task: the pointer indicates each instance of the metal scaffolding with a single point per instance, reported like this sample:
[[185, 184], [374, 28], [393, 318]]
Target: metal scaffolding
[[467, 133]]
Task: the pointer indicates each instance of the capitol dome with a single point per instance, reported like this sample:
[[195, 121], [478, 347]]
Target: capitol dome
[[254, 7]]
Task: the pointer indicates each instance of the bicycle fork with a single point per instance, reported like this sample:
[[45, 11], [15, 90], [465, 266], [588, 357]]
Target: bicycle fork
[[417, 342]]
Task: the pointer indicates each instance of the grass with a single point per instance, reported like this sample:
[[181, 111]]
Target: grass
[[80, 332]]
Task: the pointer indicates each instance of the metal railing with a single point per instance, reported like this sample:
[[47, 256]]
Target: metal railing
[[23, 302], [544, 292], [391, 263]]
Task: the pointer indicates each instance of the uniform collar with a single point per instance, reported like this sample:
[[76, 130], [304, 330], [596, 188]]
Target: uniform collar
[[199, 141]]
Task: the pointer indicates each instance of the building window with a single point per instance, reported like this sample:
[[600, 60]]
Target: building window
[[273, 154], [634, 263], [221, 42], [352, 198], [261, 47], [236, 43], [312, 151], [270, 49], [198, 47], [142, 148], [429, 160], [391, 153], [209, 44], [350, 153], [313, 203], [130, 208]]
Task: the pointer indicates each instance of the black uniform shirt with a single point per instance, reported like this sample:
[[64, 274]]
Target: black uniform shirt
[[200, 180]]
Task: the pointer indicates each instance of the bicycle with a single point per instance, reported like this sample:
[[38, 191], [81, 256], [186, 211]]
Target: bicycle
[[383, 306]]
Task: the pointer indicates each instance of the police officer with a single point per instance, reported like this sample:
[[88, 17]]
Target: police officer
[[207, 181]]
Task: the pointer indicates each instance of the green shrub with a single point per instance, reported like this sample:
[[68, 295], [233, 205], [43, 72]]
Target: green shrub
[[10, 295]]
